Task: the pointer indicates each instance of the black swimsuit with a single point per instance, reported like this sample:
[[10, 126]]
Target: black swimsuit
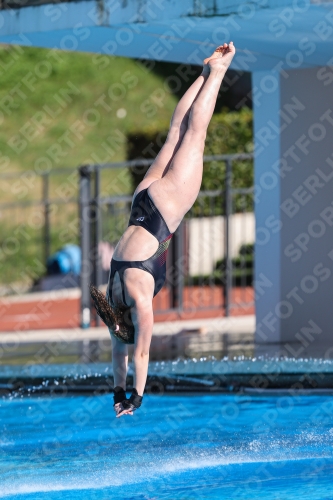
[[145, 214]]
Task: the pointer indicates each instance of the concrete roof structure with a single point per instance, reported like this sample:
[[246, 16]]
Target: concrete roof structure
[[268, 34]]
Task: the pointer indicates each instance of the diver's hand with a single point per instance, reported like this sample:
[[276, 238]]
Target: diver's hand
[[119, 396], [120, 410], [128, 406]]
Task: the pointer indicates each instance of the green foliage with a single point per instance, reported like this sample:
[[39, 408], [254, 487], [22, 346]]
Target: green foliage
[[242, 269], [19, 261], [146, 144], [22, 241], [101, 83], [72, 87], [240, 277], [242, 265], [247, 249], [228, 133]]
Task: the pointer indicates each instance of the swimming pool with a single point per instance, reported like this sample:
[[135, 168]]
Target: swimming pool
[[174, 447]]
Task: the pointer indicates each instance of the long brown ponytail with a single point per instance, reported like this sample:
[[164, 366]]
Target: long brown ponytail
[[117, 319]]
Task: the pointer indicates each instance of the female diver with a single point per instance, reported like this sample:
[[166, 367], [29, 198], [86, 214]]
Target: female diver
[[165, 195]]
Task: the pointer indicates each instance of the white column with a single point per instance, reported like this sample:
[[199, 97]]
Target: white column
[[294, 152], [266, 103]]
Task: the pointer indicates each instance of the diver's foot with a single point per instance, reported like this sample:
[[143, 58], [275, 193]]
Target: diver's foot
[[221, 57]]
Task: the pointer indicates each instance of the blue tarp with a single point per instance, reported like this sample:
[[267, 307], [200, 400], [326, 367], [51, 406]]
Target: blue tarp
[[66, 260]]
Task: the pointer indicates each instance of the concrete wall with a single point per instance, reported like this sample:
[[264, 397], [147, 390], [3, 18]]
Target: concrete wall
[[206, 240], [307, 204], [294, 207]]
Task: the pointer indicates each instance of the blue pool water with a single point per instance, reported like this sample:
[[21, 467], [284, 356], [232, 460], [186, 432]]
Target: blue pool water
[[174, 447]]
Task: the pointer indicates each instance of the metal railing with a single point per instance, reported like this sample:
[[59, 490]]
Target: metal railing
[[34, 224], [187, 292], [71, 206]]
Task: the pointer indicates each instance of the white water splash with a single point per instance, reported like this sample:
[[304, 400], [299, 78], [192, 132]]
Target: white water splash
[[110, 478]]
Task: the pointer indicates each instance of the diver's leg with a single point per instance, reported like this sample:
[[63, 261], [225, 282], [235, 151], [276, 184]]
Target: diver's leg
[[178, 127], [176, 192]]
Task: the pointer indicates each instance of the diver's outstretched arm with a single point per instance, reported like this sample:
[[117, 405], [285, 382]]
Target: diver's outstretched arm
[[143, 319], [144, 323], [119, 362], [119, 365]]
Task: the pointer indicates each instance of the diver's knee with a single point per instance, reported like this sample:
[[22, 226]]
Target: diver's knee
[[176, 133]]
